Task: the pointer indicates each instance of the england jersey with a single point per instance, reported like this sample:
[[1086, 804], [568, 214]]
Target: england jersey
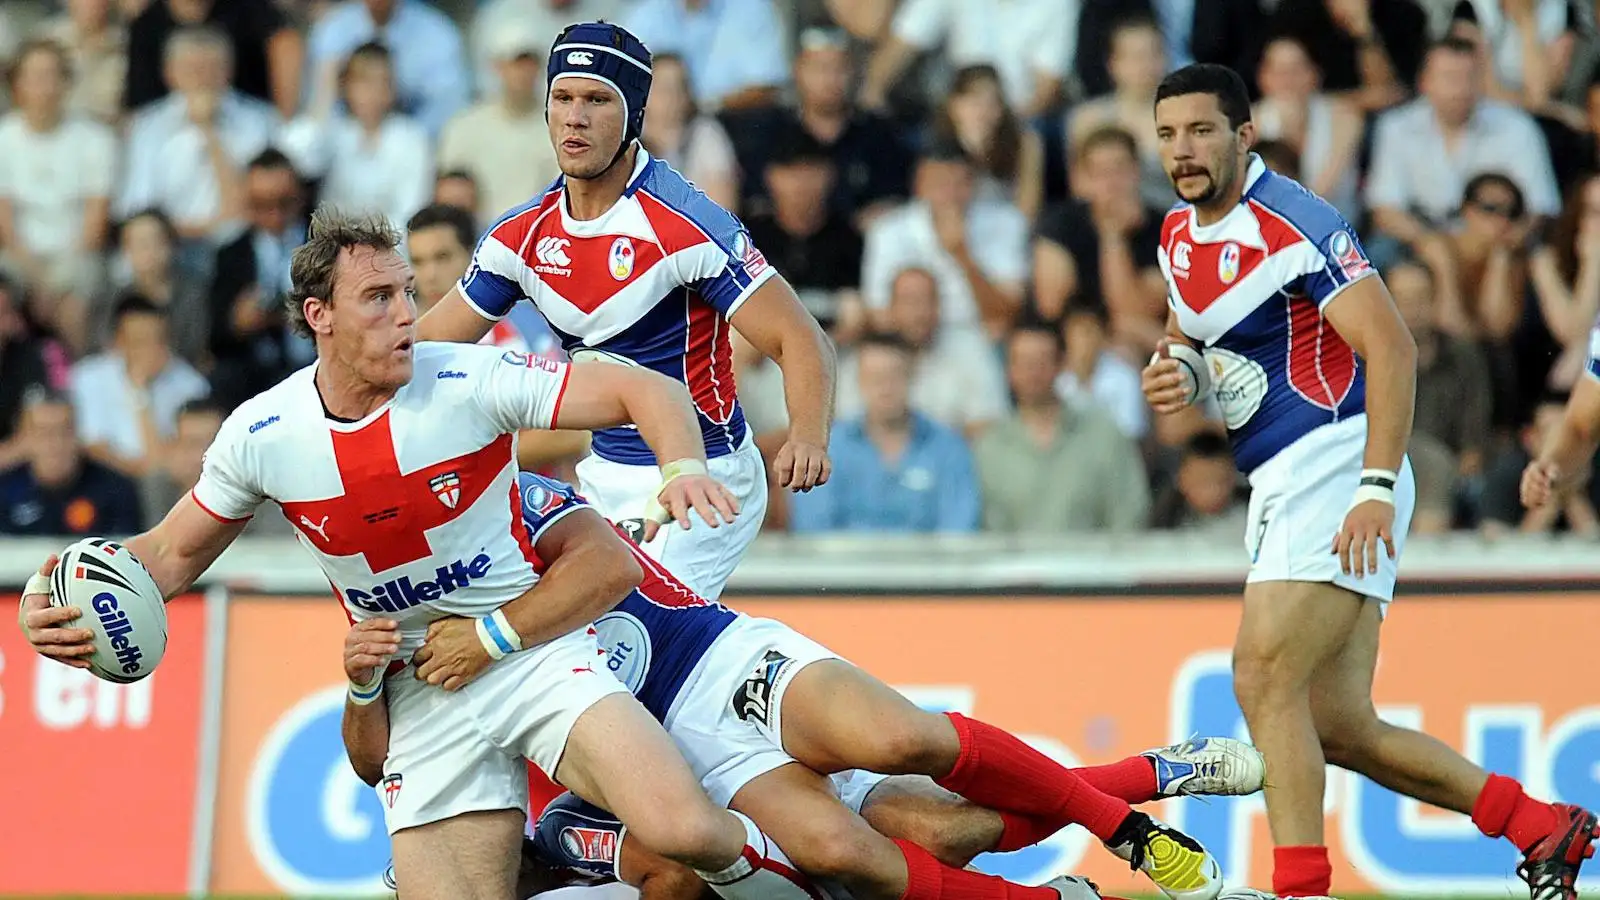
[[658, 633], [1253, 287], [413, 512], [652, 282]]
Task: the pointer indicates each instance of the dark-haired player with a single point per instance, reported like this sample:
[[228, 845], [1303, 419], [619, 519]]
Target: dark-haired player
[[1276, 311]]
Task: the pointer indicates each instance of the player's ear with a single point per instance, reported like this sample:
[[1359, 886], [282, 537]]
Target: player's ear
[[1247, 135], [319, 314]]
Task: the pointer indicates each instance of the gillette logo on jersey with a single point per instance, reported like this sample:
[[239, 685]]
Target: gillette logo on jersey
[[653, 281], [402, 593], [1253, 288]]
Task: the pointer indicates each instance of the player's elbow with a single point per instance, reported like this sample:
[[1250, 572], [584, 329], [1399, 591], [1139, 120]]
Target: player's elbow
[[615, 570]]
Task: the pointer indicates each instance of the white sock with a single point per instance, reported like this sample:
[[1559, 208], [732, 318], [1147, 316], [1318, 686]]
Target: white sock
[[762, 872]]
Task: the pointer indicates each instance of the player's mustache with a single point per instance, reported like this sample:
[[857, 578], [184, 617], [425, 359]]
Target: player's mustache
[[1186, 171]]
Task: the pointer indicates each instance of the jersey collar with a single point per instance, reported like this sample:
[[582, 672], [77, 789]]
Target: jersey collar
[[1238, 225], [603, 223]]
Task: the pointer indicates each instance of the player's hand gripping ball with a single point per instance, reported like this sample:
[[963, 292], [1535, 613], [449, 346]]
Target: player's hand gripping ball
[[1175, 377], [452, 655], [96, 607]]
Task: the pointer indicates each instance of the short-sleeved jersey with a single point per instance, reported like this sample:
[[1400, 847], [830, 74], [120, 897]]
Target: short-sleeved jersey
[[652, 283], [1253, 288], [413, 512], [656, 636]]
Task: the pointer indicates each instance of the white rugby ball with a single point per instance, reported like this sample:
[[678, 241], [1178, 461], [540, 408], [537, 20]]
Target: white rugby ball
[[121, 604]]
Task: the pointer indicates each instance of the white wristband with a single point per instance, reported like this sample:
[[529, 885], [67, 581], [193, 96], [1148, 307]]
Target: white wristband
[[498, 637], [1376, 484], [362, 694], [653, 510]]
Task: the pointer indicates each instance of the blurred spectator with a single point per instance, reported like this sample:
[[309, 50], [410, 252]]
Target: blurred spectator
[[956, 378], [22, 366], [542, 19], [1094, 374], [1205, 494], [1028, 41], [1565, 273], [1435, 469], [55, 189], [1100, 249], [147, 245], [1136, 63], [1279, 157], [1009, 157], [178, 469], [736, 50], [430, 66], [250, 340], [1425, 152], [370, 156], [693, 143], [977, 248], [1324, 133], [1527, 45], [816, 249], [98, 46], [893, 469], [504, 142], [1489, 249], [439, 241], [55, 490], [1453, 389], [872, 166], [268, 52], [187, 150], [457, 187], [1502, 506], [1368, 49], [127, 399], [1054, 468]]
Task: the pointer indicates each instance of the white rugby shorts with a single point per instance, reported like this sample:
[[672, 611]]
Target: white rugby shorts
[[701, 557], [727, 719], [458, 752], [1298, 501]]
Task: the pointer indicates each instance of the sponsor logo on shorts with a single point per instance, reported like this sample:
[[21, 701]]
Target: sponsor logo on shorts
[[590, 845], [390, 786], [754, 700]]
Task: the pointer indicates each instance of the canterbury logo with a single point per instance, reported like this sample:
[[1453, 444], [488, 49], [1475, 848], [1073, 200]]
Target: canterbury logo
[[1180, 255], [552, 251], [580, 58]]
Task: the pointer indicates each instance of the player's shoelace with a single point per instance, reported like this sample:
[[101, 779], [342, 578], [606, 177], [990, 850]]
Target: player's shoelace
[[1204, 769], [1172, 859]]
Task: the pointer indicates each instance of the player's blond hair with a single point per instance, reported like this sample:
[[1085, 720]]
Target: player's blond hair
[[315, 264]]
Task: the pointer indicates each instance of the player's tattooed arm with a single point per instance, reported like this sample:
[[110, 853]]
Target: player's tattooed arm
[[775, 322]]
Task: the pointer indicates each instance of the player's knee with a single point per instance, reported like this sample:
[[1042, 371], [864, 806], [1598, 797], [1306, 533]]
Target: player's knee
[[1264, 675], [683, 835], [831, 849], [914, 745]]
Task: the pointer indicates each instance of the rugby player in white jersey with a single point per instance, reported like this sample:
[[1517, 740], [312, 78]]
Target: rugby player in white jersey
[[395, 460], [630, 263], [1276, 312]]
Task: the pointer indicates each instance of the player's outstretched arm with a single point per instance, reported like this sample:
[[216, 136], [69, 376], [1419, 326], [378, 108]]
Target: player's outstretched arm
[[453, 320], [1564, 459], [775, 322], [590, 568]]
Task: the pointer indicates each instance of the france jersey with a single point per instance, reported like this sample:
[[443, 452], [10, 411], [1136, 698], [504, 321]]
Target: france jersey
[[658, 633], [652, 282], [1253, 288]]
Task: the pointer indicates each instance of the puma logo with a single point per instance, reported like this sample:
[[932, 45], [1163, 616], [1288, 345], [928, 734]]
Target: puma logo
[[320, 528]]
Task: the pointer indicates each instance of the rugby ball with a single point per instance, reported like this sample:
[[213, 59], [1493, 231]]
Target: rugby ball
[[121, 605]]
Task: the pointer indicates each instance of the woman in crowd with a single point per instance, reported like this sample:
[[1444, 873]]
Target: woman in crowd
[[1009, 156], [694, 144]]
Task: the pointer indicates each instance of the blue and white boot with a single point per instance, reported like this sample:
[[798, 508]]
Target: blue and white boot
[[1211, 767]]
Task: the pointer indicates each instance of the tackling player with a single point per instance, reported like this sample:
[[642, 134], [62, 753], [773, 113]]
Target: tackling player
[[395, 462], [630, 263], [747, 698], [1314, 372]]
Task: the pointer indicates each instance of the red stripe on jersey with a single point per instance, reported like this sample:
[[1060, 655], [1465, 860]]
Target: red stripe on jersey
[[708, 361], [673, 229], [519, 531], [383, 515], [1276, 230], [660, 586], [555, 409], [517, 231], [213, 513], [1322, 367]]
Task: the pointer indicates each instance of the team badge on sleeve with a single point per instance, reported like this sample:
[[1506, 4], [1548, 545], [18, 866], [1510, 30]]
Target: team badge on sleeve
[[1347, 255], [745, 251]]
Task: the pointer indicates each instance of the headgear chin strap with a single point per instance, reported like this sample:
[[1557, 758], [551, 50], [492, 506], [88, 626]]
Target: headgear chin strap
[[611, 55]]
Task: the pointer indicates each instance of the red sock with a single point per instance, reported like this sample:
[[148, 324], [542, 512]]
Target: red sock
[[929, 879], [1132, 780], [1503, 810], [998, 771], [1301, 872]]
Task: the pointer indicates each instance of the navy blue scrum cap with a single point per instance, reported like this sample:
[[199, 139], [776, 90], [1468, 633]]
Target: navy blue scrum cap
[[611, 55]]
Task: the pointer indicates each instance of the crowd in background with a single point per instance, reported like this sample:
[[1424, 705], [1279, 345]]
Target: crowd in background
[[966, 193]]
